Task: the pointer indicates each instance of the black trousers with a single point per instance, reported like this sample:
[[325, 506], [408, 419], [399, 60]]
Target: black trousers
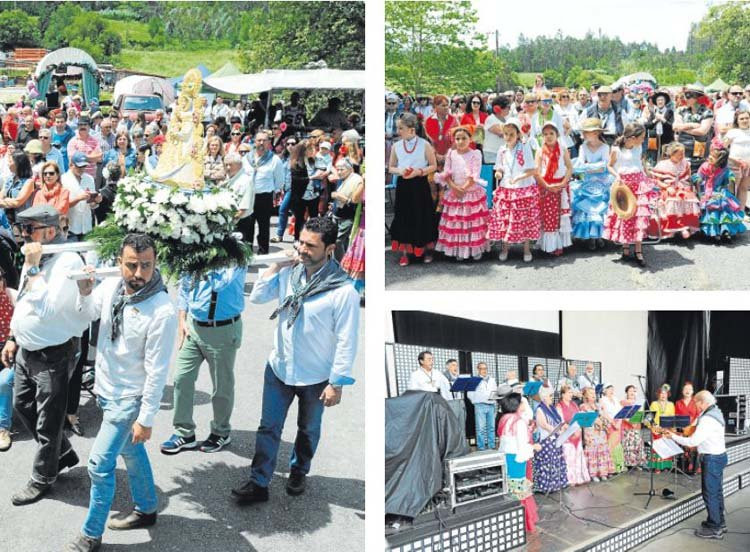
[[40, 399], [81, 345], [299, 206], [262, 215]]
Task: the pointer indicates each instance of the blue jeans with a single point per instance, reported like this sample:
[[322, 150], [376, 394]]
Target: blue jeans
[[712, 487], [283, 213], [6, 397], [115, 439], [484, 415], [277, 398]]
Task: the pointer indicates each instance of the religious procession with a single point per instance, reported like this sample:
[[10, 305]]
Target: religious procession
[[149, 225]]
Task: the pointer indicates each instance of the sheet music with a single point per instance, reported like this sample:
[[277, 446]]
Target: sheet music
[[565, 435], [666, 448]]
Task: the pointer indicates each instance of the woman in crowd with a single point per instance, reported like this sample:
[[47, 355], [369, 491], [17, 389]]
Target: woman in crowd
[[721, 213], [213, 165], [659, 125], [626, 165], [354, 259], [123, 153], [545, 114], [277, 137], [350, 149], [210, 131], [235, 140], [738, 141], [539, 86], [414, 226], [693, 123], [52, 192], [476, 116], [598, 457], [569, 117], [609, 406], [515, 216], [685, 406], [438, 127], [17, 191], [286, 198], [304, 195], [513, 431], [663, 407], [590, 193], [346, 199], [6, 159], [575, 459], [530, 103], [632, 442], [554, 169], [679, 208], [463, 225], [550, 472], [459, 108]]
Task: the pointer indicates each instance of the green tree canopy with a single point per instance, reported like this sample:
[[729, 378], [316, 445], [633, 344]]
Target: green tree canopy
[[18, 29]]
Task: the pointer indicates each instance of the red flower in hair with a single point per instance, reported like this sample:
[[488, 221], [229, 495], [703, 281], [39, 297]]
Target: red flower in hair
[[420, 117], [282, 126]]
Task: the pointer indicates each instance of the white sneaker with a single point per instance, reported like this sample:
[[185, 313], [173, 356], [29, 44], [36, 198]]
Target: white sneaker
[[527, 258], [5, 440], [595, 479], [503, 256]]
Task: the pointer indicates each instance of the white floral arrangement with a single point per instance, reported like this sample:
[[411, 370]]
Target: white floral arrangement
[[192, 228], [190, 216]]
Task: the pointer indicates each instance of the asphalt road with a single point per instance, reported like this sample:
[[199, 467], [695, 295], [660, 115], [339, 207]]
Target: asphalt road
[[195, 510], [674, 264]]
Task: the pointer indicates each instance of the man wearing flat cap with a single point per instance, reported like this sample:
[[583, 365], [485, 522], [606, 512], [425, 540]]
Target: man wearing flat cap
[[41, 344], [608, 113]]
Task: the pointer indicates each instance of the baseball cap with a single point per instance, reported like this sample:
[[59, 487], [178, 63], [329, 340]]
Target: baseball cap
[[79, 159], [326, 145]]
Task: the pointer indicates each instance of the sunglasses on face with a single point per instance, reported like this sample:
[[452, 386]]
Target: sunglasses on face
[[291, 144], [29, 228], [736, 93], [44, 137], [236, 134], [49, 173], [475, 103], [275, 128]]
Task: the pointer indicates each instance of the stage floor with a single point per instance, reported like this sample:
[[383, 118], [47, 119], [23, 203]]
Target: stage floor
[[587, 517]]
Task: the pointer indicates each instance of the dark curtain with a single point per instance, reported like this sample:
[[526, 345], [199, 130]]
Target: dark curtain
[[728, 333], [438, 330], [677, 350]]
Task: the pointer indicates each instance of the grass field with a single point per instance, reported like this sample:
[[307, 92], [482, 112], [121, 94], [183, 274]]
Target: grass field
[[170, 63], [130, 31]]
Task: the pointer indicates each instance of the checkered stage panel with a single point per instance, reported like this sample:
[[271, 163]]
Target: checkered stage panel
[[406, 361]]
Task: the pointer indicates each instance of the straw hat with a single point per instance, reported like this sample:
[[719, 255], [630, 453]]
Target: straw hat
[[592, 124]]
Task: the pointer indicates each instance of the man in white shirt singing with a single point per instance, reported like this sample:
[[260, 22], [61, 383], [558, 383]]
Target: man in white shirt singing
[[314, 349], [709, 438], [41, 343], [425, 378], [137, 336], [484, 408]]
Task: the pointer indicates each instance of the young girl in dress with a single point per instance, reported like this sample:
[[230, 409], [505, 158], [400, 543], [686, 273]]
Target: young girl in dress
[[632, 442], [515, 206], [679, 209], [595, 441], [590, 194], [513, 431], [722, 215], [555, 169], [626, 165], [463, 225]]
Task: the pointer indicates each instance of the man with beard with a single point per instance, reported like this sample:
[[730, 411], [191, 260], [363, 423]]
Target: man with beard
[[314, 349], [607, 112], [137, 331], [41, 344]]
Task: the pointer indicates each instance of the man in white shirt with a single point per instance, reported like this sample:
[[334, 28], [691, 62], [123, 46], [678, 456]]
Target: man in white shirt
[[588, 378], [484, 408], [244, 192], [82, 191], [725, 114], [219, 109], [571, 380], [41, 344], [709, 438], [314, 349], [137, 336], [425, 378]]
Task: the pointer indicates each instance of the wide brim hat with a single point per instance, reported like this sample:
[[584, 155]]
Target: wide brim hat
[[592, 124], [33, 146], [604, 90], [662, 93]]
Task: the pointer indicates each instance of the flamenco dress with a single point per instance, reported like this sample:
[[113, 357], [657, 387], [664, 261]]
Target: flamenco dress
[[721, 211], [550, 472], [679, 208], [354, 259], [554, 206], [590, 192], [514, 443]]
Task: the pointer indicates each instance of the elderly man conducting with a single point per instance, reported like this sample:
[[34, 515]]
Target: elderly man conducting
[[43, 326], [709, 438]]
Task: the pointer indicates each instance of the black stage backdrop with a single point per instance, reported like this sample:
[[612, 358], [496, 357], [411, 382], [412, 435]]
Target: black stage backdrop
[[728, 334], [439, 330], [677, 350]]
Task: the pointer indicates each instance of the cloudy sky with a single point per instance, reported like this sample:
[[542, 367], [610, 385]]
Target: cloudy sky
[[664, 22]]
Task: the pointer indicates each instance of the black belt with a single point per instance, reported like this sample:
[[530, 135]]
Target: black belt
[[217, 323]]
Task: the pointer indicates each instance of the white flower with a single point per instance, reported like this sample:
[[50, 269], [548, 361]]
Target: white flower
[[179, 199], [197, 205], [162, 196]]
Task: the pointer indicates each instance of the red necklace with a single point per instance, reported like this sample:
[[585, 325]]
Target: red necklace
[[406, 142]]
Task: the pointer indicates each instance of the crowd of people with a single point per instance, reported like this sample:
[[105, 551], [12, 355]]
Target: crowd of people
[[59, 174], [547, 167], [530, 426]]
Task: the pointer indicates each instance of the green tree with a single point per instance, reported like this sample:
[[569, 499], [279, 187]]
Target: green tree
[[725, 32], [154, 27], [18, 29], [59, 22]]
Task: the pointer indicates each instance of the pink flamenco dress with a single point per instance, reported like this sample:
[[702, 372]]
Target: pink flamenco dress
[[515, 216], [513, 432], [354, 259], [679, 207], [575, 458], [464, 223], [630, 172]]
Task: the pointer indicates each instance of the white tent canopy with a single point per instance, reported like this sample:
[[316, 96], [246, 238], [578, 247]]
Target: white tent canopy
[[146, 85], [67, 56], [288, 79]]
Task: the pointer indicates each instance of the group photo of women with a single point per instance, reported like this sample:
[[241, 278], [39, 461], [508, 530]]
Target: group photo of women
[[545, 172]]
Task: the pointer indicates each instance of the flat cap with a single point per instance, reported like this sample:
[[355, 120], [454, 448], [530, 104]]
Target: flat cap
[[43, 214]]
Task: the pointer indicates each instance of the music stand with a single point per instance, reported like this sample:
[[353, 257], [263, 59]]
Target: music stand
[[598, 390], [464, 384], [676, 422], [532, 388], [648, 418]]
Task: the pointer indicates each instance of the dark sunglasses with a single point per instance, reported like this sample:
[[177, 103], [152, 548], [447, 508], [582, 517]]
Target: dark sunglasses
[[475, 102], [274, 128], [29, 228], [44, 137], [49, 173], [736, 93], [236, 134], [291, 144]]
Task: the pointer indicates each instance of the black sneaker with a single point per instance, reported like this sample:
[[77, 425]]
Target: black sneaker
[[722, 527], [175, 444], [82, 543], [708, 533], [215, 443], [133, 520], [31, 493], [295, 485], [250, 493]]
